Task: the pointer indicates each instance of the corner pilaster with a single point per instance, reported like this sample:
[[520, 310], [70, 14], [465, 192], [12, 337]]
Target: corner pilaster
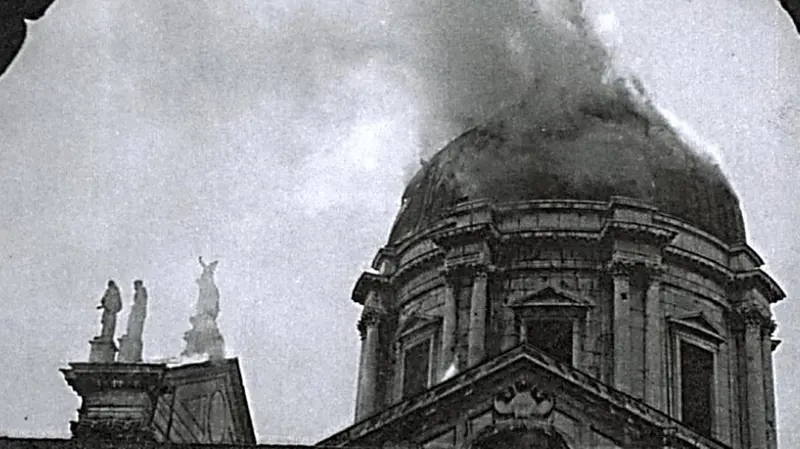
[[754, 320], [621, 278], [655, 342]]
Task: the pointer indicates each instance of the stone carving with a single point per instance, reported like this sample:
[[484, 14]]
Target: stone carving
[[205, 337], [525, 405], [131, 343], [111, 305]]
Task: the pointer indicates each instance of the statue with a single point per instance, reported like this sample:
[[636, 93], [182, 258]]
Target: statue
[[208, 301], [111, 305], [205, 338], [130, 350]]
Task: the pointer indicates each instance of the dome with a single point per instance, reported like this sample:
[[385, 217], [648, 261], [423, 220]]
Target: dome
[[592, 154]]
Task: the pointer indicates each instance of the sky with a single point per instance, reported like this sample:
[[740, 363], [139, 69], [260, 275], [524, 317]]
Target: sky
[[276, 137]]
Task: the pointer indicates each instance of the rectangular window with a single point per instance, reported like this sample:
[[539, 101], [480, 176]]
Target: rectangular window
[[416, 367], [697, 381], [553, 337]]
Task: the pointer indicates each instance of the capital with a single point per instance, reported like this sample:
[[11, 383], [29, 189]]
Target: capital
[[369, 317], [752, 315]]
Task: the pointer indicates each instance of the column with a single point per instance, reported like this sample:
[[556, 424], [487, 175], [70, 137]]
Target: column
[[756, 406], [368, 377], [477, 318], [769, 383], [449, 327], [622, 328], [655, 387]]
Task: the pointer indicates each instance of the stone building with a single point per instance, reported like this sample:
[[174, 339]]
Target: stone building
[[582, 287], [580, 283]]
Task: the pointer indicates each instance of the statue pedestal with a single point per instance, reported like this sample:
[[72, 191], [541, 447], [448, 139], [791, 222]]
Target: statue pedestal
[[118, 399], [130, 350], [103, 351]]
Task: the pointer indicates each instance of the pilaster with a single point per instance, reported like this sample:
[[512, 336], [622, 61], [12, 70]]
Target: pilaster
[[754, 320], [621, 277], [769, 383], [477, 316], [655, 343], [449, 325], [368, 377]]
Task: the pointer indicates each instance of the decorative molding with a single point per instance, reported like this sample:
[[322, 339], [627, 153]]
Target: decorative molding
[[758, 279], [550, 296], [628, 267], [751, 314], [524, 404], [416, 322], [370, 316], [461, 235], [698, 324], [628, 230], [368, 282]]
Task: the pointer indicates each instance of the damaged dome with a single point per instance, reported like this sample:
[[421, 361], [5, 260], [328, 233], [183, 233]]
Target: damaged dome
[[593, 153]]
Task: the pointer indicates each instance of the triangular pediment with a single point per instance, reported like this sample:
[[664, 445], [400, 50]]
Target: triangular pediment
[[494, 386], [550, 297], [415, 322], [698, 323]]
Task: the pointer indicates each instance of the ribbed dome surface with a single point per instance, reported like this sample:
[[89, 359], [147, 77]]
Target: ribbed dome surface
[[589, 155]]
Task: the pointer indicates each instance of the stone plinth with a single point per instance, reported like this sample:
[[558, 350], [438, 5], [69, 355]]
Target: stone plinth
[[117, 400], [103, 351], [130, 350]]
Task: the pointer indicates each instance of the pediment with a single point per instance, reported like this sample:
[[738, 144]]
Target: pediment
[[697, 323], [521, 388], [550, 297], [416, 322]]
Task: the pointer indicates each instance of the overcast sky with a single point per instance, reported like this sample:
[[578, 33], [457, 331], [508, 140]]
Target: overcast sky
[[276, 136]]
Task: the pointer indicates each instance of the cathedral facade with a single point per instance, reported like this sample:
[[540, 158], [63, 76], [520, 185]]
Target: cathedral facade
[[567, 288]]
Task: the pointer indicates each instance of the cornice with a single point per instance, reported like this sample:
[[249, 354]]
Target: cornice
[[461, 235], [629, 230], [419, 263], [368, 282], [89, 378], [758, 279], [383, 254], [697, 263]]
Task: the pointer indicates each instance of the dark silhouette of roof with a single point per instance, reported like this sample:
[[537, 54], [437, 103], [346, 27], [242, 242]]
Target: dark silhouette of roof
[[13, 29], [793, 8]]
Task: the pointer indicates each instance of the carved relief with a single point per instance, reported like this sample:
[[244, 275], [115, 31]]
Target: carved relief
[[525, 405]]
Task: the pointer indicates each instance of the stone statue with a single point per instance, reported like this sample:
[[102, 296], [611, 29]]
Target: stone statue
[[111, 305], [208, 301], [130, 350], [205, 337]]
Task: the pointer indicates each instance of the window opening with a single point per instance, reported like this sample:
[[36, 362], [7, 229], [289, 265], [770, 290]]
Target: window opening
[[697, 380], [416, 366], [553, 337]]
